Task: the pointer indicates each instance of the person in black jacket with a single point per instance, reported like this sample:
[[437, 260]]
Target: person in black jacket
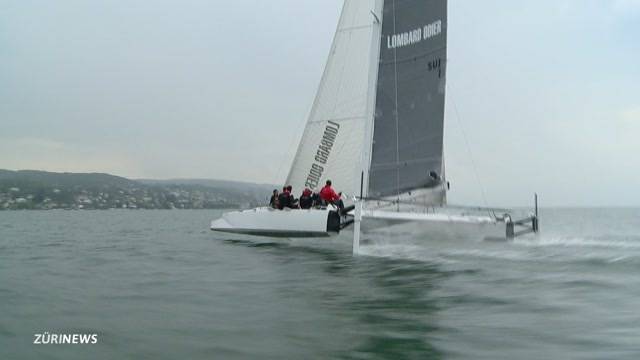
[[306, 201], [315, 199], [293, 202], [284, 200], [274, 199]]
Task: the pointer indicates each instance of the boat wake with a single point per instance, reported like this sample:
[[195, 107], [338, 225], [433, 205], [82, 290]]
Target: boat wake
[[596, 250], [552, 249], [627, 242]]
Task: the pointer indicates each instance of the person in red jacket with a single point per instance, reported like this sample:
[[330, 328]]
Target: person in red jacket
[[329, 195]]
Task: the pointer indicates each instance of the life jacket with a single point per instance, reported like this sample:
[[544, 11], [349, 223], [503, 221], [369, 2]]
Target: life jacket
[[327, 194], [284, 200], [305, 201]]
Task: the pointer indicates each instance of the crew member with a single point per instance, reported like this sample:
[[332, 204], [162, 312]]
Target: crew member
[[329, 195], [284, 200], [306, 201], [315, 198], [293, 202], [274, 199]]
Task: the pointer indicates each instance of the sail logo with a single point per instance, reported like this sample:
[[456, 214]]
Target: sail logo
[[414, 36], [322, 154]]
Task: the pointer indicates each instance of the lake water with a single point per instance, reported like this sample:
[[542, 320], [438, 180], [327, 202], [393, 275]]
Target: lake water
[[160, 285]]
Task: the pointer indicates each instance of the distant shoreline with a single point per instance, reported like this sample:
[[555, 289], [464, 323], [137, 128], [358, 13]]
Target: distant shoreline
[[41, 190]]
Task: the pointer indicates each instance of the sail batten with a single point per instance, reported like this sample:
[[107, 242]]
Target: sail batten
[[346, 29], [393, 165], [338, 119]]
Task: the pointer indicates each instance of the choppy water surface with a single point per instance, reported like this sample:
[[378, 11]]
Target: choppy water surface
[[159, 285]]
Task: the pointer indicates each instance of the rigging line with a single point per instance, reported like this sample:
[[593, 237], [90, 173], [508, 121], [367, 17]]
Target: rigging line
[[473, 163], [395, 70]]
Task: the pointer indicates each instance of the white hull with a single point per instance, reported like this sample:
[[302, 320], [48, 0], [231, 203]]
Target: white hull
[[265, 221], [422, 227], [375, 224]]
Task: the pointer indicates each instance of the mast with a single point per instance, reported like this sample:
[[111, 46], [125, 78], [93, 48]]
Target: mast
[[376, 34]]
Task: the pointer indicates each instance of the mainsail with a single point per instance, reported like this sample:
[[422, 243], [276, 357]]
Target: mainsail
[[333, 140], [379, 109], [407, 151]]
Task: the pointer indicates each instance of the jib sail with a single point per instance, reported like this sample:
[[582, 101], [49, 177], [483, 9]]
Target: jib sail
[[332, 142]]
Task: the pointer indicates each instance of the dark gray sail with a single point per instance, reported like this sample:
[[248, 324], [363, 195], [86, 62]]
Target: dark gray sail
[[407, 149]]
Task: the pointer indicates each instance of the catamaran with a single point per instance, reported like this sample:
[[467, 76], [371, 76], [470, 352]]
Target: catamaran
[[376, 129]]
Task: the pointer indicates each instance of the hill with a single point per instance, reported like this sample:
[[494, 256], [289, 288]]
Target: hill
[[32, 189], [257, 191]]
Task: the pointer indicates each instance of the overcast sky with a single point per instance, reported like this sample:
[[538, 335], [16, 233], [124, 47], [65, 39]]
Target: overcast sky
[[548, 92]]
